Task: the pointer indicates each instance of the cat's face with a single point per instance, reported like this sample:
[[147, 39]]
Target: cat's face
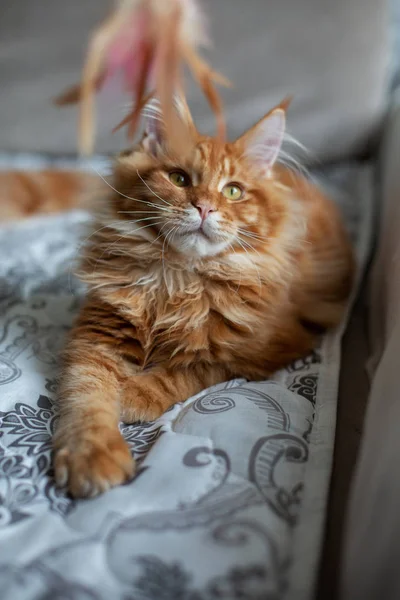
[[207, 201]]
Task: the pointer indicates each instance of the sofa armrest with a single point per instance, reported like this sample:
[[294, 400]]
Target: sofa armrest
[[371, 553], [385, 275]]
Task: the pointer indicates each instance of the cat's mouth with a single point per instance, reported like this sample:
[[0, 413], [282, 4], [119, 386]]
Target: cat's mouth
[[198, 239], [196, 231]]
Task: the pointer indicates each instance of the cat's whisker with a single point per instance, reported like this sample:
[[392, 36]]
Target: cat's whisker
[[135, 212], [150, 190], [241, 242], [130, 197], [170, 237], [104, 251], [287, 137], [160, 234], [292, 163], [77, 251], [252, 235], [79, 247], [248, 245], [152, 205], [145, 226], [133, 221], [163, 246], [163, 256], [230, 245], [175, 232], [120, 237], [126, 236], [148, 203], [290, 160]]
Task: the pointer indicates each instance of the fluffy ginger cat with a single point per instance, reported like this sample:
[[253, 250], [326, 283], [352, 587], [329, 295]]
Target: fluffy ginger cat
[[208, 266]]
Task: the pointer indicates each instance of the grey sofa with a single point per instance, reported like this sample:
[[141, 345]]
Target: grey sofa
[[335, 58]]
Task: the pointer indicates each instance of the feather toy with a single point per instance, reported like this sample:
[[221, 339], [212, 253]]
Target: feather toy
[[148, 41]]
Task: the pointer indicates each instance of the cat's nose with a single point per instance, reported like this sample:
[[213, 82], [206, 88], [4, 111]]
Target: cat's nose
[[204, 209]]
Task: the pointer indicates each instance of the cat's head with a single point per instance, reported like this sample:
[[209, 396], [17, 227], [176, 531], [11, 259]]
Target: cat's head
[[212, 198]]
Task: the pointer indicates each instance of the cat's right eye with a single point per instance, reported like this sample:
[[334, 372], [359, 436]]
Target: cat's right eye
[[179, 178], [232, 191]]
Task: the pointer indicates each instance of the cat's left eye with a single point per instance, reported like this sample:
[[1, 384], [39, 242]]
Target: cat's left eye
[[232, 191], [179, 178]]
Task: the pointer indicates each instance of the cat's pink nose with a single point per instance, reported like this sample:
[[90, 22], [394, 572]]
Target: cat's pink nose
[[204, 209]]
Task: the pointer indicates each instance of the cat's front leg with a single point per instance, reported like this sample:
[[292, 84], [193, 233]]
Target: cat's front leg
[[90, 454], [147, 395]]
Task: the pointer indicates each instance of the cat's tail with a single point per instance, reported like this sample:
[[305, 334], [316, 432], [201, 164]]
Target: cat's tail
[[27, 193]]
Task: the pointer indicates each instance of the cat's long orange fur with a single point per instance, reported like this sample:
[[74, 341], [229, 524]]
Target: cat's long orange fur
[[175, 305]]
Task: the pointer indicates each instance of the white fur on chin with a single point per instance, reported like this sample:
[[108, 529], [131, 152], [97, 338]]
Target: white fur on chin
[[208, 241], [196, 244]]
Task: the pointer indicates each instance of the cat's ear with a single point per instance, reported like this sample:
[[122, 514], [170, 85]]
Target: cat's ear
[[154, 138], [154, 130], [262, 143]]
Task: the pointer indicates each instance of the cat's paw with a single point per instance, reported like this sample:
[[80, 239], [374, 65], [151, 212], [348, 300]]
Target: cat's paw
[[140, 407], [142, 411], [88, 466]]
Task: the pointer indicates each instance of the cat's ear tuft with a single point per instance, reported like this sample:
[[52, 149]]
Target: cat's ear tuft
[[154, 130], [262, 143], [154, 139]]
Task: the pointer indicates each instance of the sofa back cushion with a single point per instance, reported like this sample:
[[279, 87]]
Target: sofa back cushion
[[331, 56]]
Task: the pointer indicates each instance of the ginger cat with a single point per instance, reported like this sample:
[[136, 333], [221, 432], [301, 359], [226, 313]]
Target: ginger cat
[[203, 267]]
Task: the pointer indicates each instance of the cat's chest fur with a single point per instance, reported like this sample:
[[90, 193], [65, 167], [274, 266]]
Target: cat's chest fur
[[177, 311]]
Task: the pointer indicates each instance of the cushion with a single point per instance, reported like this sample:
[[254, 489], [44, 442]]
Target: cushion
[[332, 56]]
